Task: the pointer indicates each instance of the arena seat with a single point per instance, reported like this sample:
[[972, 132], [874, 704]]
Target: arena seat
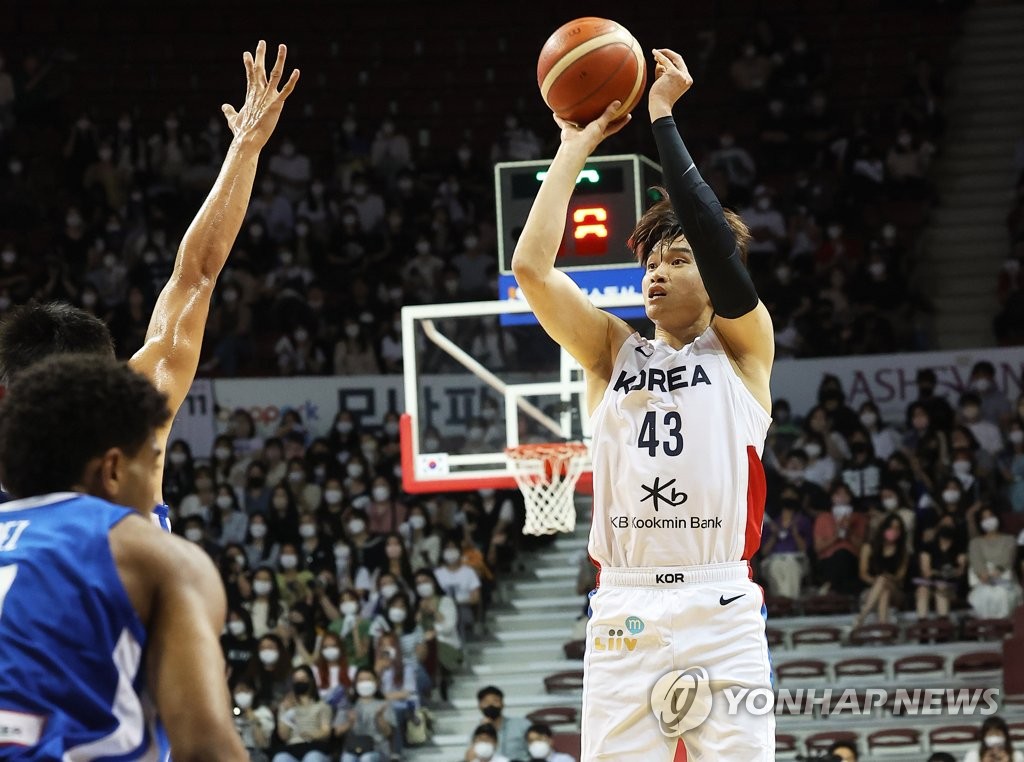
[[567, 743], [555, 715], [953, 738], [865, 665], [810, 636], [987, 629], [977, 661], [930, 631], [919, 664], [874, 634], [894, 740], [575, 649], [802, 669], [821, 741], [564, 682]]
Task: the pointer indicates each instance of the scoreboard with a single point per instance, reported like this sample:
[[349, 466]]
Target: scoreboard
[[610, 196]]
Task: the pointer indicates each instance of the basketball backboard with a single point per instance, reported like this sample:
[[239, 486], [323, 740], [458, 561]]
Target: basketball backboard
[[474, 387]]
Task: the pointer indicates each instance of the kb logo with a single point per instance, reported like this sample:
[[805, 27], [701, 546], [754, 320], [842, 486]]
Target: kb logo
[[620, 522], [681, 700]]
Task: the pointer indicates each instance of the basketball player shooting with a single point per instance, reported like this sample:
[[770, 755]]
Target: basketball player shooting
[[170, 355], [679, 424]]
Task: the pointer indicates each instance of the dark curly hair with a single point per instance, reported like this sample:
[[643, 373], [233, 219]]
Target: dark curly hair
[[33, 331], [68, 409]]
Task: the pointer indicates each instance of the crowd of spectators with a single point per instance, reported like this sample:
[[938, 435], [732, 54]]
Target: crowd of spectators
[[905, 514], [337, 240], [349, 603]]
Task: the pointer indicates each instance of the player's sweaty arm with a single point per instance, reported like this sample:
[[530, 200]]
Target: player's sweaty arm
[[741, 319], [587, 333], [178, 595], [170, 355]]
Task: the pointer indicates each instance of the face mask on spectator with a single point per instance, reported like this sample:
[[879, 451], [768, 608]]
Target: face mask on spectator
[[951, 496], [295, 477], [452, 555], [1017, 436], [280, 503], [425, 589], [348, 608], [224, 502], [391, 428], [868, 419], [981, 384], [970, 413], [222, 453], [236, 627], [344, 427], [355, 470], [483, 749], [178, 458], [269, 656], [961, 467], [380, 494], [423, 247], [393, 552], [262, 587], [366, 688], [193, 534], [430, 444], [356, 526], [417, 522], [491, 712], [539, 749], [841, 510], [396, 615], [890, 503], [333, 496], [307, 530], [301, 687], [258, 530], [386, 591], [989, 524], [813, 450], [289, 561], [243, 700], [331, 653]]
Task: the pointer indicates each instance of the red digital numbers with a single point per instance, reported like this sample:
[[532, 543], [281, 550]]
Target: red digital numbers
[[589, 230]]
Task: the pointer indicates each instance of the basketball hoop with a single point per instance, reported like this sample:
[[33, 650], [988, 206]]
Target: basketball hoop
[[547, 476]]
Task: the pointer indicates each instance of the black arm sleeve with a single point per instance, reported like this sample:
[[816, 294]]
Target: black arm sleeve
[[714, 247]]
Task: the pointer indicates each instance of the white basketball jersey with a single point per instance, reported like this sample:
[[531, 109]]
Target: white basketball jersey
[[677, 442]]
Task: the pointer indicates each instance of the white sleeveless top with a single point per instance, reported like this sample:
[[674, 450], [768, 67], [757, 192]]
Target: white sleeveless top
[[677, 442]]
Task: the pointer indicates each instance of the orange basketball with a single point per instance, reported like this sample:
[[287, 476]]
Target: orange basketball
[[588, 63]]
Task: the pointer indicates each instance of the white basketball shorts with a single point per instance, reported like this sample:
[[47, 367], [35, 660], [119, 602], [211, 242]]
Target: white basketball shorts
[[671, 660]]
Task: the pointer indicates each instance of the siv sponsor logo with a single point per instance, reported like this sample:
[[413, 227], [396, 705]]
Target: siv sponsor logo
[[656, 493], [681, 700]]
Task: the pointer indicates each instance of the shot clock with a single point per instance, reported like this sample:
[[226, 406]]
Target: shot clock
[[610, 196]]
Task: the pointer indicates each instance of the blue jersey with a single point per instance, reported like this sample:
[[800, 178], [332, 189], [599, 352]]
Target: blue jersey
[[72, 676]]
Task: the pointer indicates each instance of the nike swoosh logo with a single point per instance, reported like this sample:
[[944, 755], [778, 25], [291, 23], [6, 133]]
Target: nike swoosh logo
[[726, 601]]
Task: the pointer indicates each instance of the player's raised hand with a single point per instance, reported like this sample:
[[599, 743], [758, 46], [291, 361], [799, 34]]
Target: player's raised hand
[[258, 116], [671, 80], [590, 136]]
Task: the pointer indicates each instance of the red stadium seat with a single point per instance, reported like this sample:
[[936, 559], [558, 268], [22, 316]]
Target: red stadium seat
[[977, 661], [918, 664], [958, 736], [802, 669], [575, 649], [785, 743], [564, 682], [930, 631], [987, 629], [567, 743], [874, 634], [904, 739], [555, 715], [865, 665], [815, 636], [830, 603], [821, 741]]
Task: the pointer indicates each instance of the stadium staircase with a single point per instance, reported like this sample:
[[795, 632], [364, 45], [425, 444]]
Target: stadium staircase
[[967, 239]]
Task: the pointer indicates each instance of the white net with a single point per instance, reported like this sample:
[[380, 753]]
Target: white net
[[547, 476]]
